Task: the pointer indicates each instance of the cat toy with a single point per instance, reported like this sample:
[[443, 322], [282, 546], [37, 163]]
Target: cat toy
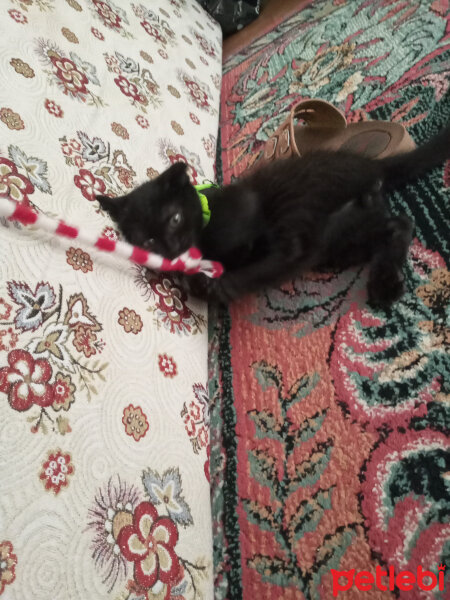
[[190, 262]]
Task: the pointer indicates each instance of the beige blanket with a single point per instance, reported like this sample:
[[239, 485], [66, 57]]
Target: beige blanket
[[103, 405]]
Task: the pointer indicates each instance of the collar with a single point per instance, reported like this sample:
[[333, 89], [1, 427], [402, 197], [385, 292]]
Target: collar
[[204, 200]]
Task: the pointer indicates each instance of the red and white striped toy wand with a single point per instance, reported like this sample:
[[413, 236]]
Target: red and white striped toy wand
[[189, 262]]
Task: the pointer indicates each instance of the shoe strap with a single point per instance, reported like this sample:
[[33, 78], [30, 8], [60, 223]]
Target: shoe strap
[[315, 114]]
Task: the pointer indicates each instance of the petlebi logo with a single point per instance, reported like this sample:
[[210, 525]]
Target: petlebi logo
[[388, 580]]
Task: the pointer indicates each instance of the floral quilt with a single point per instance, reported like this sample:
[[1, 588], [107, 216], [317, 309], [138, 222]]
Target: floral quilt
[[330, 420], [104, 417]]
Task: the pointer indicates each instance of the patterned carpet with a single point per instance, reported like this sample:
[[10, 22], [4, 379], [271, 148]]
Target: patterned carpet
[[331, 421]]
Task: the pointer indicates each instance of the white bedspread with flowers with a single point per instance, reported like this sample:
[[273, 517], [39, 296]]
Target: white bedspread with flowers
[[104, 417]]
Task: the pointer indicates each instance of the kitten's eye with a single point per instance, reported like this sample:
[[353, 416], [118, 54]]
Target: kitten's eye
[[149, 244], [175, 219]]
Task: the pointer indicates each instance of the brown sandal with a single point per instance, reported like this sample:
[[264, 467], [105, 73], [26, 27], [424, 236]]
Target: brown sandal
[[325, 128]]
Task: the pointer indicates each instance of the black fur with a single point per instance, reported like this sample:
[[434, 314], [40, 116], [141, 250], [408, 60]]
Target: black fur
[[144, 215], [323, 210]]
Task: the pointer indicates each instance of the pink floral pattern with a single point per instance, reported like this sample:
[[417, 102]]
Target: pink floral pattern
[[153, 32], [171, 300], [199, 96], [53, 108], [26, 381], [150, 544], [157, 28], [111, 234], [142, 122], [135, 81], [89, 185], [84, 340], [209, 144], [43, 376], [63, 392], [167, 365], [71, 79], [8, 339], [170, 303], [113, 174], [197, 92], [129, 89], [8, 562], [205, 45], [75, 77], [131, 532], [12, 184], [98, 34], [195, 415], [5, 310], [56, 471], [108, 15], [18, 16]]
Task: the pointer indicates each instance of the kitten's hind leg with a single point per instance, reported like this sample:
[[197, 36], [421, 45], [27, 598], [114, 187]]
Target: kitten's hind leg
[[386, 281]]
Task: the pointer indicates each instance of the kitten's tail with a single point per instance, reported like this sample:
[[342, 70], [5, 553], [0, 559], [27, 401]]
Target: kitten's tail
[[403, 167]]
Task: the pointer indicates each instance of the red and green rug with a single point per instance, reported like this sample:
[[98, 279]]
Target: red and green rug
[[330, 421]]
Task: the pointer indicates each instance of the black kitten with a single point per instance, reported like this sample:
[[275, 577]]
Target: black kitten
[[323, 210]]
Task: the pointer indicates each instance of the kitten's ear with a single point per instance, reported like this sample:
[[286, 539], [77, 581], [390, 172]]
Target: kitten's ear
[[178, 173], [113, 206]]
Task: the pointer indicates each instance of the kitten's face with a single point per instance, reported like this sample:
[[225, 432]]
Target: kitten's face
[[163, 215]]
